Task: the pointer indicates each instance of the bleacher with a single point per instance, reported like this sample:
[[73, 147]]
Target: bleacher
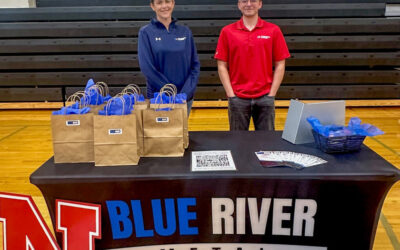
[[341, 49]]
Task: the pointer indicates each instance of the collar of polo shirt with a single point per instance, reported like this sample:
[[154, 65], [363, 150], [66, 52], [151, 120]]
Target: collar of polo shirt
[[240, 24]]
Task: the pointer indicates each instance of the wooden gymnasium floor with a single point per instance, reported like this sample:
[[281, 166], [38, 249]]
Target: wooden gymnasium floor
[[25, 143]]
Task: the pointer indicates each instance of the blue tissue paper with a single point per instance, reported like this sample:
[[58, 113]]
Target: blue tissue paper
[[93, 95], [354, 128], [118, 106], [72, 110], [168, 99]]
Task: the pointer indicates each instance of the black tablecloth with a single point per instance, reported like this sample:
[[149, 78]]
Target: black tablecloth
[[243, 145], [348, 191]]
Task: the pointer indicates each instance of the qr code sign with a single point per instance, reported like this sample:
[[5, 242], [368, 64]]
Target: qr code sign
[[212, 161]]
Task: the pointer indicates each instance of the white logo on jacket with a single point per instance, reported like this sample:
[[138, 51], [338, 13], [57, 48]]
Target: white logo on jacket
[[263, 37], [181, 38], [158, 38]]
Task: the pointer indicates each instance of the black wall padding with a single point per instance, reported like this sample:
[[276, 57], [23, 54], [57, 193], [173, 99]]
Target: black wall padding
[[331, 26], [130, 61], [129, 45], [75, 3], [206, 77], [31, 94], [191, 12]]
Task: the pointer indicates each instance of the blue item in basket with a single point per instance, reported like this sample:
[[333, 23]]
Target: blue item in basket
[[338, 144], [363, 129], [72, 111], [338, 139], [327, 129], [117, 106], [354, 128]]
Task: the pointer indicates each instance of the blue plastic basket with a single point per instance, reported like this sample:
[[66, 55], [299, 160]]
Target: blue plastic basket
[[340, 144]]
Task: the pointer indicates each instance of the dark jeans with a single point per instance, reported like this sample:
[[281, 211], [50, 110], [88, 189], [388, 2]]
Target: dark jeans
[[262, 110]]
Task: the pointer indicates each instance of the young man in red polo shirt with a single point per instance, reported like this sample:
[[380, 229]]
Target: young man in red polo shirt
[[247, 51]]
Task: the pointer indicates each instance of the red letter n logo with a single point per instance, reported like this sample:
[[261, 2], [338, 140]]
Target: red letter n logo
[[80, 224], [23, 225]]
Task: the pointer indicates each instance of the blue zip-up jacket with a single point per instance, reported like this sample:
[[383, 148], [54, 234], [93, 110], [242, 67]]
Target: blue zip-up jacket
[[168, 56]]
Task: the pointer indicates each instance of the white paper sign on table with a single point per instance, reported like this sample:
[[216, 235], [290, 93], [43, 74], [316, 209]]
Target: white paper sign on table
[[212, 161]]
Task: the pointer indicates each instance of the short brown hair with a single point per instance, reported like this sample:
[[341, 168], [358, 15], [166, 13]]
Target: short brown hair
[[152, 1]]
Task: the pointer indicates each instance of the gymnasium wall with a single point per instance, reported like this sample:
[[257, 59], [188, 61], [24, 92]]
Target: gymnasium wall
[[341, 49]]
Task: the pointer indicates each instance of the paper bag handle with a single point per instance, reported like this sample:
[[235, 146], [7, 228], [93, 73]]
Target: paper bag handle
[[130, 101], [113, 99], [104, 90], [132, 87], [77, 97], [171, 87]]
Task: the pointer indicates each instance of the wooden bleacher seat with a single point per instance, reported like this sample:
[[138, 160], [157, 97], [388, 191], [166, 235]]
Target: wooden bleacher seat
[[340, 49]]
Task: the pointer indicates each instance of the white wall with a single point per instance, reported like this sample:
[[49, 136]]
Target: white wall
[[17, 3]]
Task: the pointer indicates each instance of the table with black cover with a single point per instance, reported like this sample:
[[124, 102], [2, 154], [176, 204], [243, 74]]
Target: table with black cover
[[349, 191]]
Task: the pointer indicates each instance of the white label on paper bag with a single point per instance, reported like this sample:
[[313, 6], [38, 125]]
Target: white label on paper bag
[[162, 119], [117, 131], [73, 123]]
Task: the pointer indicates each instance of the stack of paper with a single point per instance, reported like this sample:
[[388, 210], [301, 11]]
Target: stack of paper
[[289, 159]]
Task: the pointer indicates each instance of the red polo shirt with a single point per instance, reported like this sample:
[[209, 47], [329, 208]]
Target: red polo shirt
[[251, 56]]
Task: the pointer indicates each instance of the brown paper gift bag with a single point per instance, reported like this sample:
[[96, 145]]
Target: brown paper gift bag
[[143, 105], [138, 111], [163, 133], [170, 90], [72, 138], [133, 89], [115, 140], [183, 107]]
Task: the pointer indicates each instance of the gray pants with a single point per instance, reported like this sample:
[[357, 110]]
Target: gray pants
[[262, 110]]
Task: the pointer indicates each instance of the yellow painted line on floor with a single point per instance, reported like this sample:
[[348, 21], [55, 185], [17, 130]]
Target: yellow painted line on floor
[[389, 231], [385, 223], [13, 133], [387, 147]]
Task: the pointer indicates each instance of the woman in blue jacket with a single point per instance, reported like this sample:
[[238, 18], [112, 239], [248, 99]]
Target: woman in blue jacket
[[167, 53]]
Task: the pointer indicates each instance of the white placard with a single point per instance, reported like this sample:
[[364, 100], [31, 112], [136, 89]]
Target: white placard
[[212, 161], [298, 131]]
